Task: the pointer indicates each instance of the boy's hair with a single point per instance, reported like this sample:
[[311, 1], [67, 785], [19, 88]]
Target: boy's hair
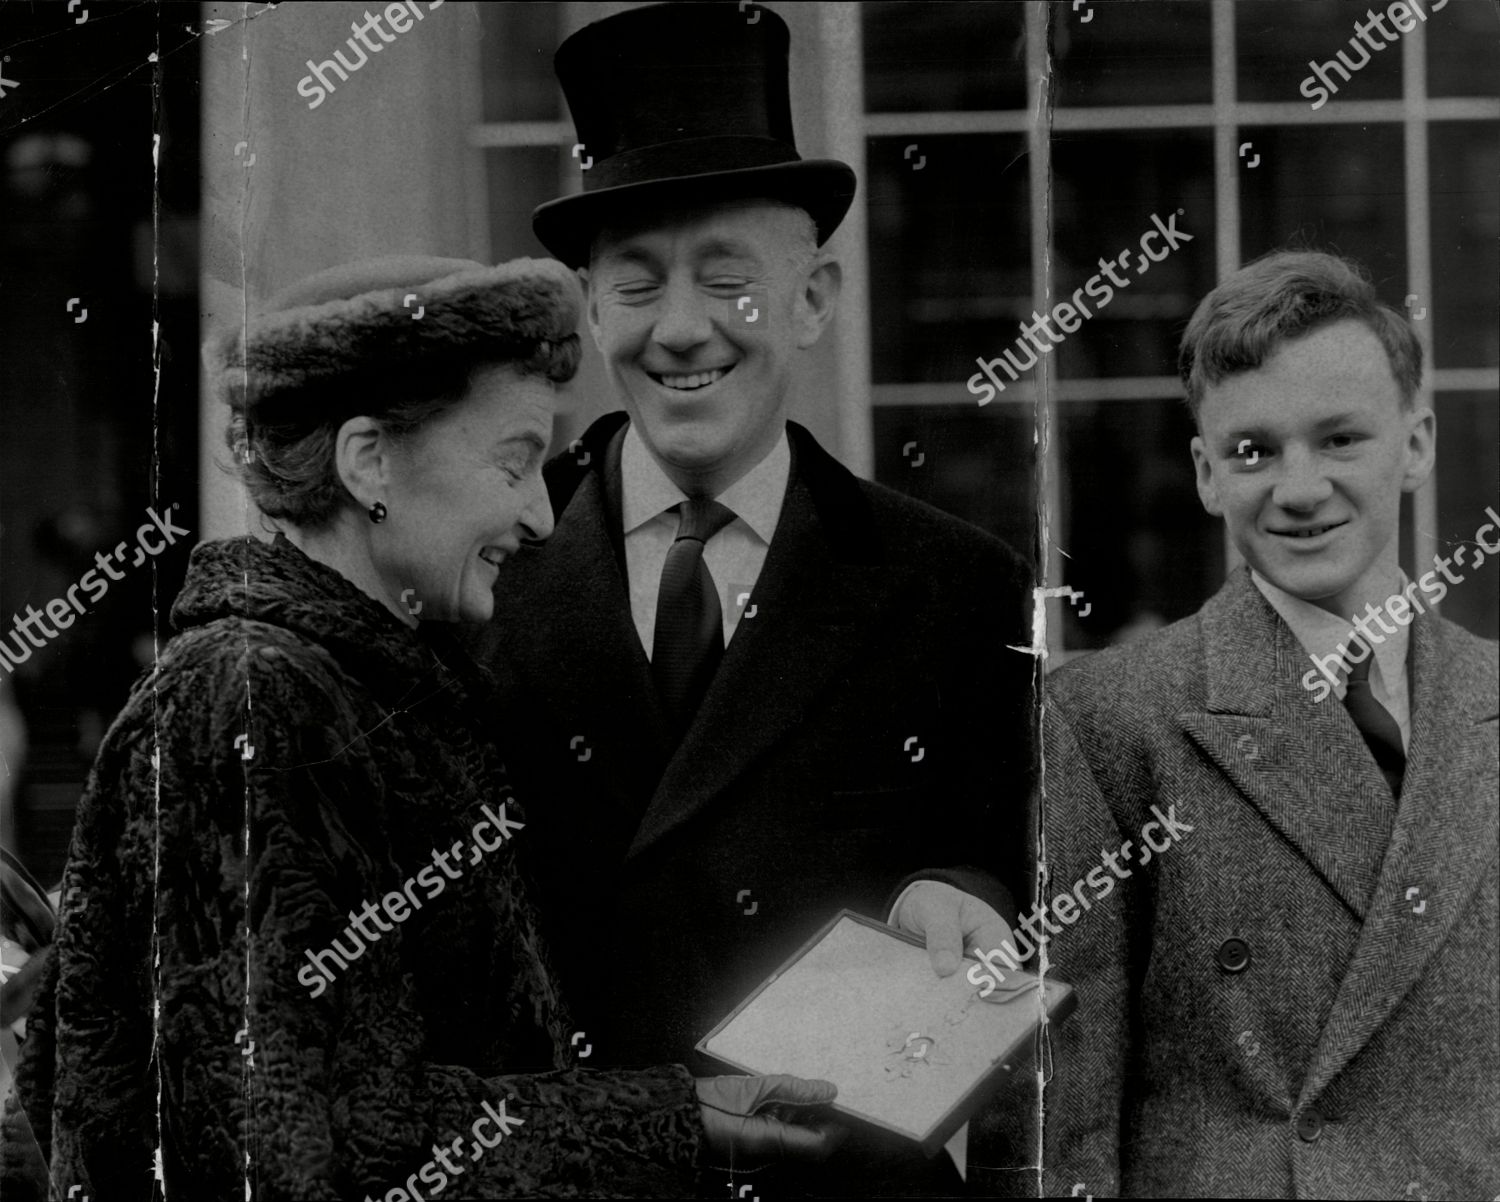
[[1282, 296]]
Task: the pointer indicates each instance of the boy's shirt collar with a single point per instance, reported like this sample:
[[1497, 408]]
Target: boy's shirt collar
[[1322, 633]]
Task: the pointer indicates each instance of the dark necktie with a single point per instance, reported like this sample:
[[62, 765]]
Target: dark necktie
[[689, 640], [1382, 735]]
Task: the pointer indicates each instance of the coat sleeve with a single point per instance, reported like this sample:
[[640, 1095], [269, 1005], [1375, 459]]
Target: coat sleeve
[[196, 900], [1083, 1102]]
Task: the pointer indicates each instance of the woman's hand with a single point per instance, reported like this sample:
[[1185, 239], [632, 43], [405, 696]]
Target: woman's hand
[[752, 1121]]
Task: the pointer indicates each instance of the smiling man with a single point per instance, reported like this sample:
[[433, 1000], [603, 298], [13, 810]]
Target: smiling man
[[1298, 1001], [746, 689]]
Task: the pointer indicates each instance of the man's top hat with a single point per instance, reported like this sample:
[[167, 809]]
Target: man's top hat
[[683, 102]]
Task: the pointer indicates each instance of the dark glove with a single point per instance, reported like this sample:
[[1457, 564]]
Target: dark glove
[[753, 1121]]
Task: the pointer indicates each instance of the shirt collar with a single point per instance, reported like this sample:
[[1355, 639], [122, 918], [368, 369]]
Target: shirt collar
[[756, 497], [1321, 633]]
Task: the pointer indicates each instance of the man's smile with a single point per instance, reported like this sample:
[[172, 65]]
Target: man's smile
[[691, 381]]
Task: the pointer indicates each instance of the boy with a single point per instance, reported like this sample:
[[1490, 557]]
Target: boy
[[1297, 998]]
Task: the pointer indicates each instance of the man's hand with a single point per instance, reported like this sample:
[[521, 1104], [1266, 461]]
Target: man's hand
[[752, 1121], [951, 921]]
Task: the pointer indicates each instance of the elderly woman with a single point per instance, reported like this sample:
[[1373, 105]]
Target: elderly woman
[[297, 951]]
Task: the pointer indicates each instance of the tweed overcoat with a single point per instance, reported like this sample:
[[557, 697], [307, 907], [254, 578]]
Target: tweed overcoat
[[1295, 998], [295, 713], [867, 722]]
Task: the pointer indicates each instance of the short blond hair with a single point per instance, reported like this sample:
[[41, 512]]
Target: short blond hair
[[1282, 296]]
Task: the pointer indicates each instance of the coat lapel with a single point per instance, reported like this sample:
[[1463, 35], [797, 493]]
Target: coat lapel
[[823, 595], [1302, 763], [1443, 843], [563, 622]]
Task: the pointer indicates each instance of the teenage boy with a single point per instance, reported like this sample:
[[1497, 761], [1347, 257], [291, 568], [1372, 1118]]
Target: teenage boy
[[1298, 997]]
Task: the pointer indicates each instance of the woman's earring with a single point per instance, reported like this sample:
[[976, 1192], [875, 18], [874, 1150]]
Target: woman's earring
[[378, 512]]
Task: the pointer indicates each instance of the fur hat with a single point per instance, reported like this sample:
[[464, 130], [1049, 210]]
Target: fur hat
[[381, 315]]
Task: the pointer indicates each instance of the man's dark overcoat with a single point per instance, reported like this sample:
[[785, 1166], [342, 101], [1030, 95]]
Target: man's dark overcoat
[[870, 720]]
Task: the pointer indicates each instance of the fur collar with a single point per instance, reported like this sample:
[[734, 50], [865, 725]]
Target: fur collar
[[277, 584]]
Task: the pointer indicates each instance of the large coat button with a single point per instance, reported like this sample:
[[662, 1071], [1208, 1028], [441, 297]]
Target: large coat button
[[1233, 955], [1309, 1125]]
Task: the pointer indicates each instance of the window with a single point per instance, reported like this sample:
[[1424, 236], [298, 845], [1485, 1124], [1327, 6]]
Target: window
[[1163, 107]]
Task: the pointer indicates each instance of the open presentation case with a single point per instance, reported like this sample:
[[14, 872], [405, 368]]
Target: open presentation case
[[911, 1053]]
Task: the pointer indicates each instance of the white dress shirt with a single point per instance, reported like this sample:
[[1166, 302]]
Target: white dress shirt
[[735, 555], [1321, 633]]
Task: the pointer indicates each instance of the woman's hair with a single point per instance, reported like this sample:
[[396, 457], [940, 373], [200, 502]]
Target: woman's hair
[[1280, 297], [284, 447]]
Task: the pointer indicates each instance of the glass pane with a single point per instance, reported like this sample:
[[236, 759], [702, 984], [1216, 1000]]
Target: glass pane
[[979, 465], [1406, 540], [518, 178], [1468, 432], [1107, 187], [1338, 188], [1463, 50], [1308, 50], [519, 41], [1139, 545], [950, 259], [924, 57], [1465, 191], [1158, 53]]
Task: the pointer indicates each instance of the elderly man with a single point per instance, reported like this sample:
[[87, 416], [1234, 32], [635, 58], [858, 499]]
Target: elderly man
[[1292, 994], [753, 689]]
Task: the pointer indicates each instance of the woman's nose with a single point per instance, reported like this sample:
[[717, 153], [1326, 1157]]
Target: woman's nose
[[537, 517]]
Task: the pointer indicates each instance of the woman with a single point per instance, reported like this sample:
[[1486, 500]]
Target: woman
[[296, 923]]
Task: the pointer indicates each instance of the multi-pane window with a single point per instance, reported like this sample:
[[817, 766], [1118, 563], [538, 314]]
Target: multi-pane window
[[1112, 114]]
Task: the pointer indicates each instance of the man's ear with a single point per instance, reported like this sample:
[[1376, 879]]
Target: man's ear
[[1421, 448], [362, 456], [817, 299], [1208, 491], [590, 305]]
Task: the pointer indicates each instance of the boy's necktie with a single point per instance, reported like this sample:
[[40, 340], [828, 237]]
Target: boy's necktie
[[1381, 734]]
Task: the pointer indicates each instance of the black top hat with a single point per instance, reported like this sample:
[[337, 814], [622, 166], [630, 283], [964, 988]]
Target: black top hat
[[678, 102]]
